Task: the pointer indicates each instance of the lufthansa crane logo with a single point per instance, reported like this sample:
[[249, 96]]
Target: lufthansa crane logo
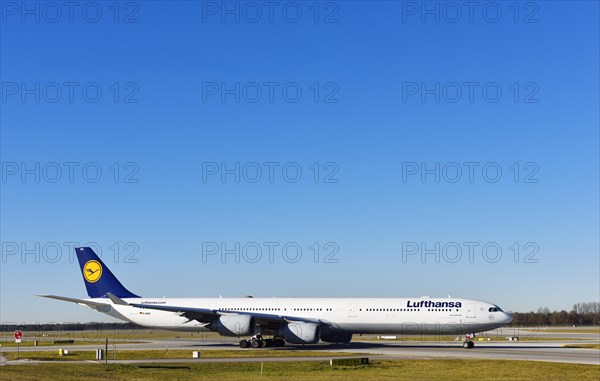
[[92, 271]]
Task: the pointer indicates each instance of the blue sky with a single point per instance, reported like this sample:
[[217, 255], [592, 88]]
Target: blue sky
[[162, 97]]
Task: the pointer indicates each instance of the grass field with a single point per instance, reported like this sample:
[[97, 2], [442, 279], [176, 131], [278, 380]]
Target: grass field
[[113, 335], [587, 346], [528, 338], [391, 370], [570, 330], [49, 343]]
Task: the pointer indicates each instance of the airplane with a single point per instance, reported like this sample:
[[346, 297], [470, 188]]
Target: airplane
[[266, 322]]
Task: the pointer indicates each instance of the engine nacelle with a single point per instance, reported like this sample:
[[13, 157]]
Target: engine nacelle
[[334, 336], [233, 325], [300, 332]]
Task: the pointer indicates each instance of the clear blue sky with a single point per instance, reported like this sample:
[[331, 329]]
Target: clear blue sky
[[168, 112]]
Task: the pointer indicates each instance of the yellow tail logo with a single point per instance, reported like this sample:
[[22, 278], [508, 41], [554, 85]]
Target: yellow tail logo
[[92, 271]]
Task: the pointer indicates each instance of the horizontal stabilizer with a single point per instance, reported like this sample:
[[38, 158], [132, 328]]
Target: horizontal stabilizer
[[95, 305]]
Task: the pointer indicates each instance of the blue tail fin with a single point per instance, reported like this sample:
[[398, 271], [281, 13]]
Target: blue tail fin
[[98, 279]]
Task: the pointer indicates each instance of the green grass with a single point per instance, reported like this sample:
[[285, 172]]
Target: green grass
[[589, 346], [50, 355], [49, 343], [112, 335], [528, 337], [379, 370], [570, 330], [170, 354]]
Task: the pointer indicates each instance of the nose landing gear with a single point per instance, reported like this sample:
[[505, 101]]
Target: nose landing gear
[[469, 344]]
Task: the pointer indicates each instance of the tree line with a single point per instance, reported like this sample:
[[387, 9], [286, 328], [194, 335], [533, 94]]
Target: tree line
[[581, 314]]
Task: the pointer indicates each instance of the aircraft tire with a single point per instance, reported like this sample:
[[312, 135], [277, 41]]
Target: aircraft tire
[[257, 344]]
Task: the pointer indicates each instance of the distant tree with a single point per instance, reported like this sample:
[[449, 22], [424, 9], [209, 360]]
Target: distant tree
[[582, 314]]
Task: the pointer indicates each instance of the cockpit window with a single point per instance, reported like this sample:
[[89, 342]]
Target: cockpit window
[[495, 309]]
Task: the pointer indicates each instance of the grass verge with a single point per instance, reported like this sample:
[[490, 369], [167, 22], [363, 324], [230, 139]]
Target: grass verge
[[588, 346], [378, 370]]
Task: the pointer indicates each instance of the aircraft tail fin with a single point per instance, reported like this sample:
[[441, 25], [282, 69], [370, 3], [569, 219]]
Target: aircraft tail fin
[[98, 279]]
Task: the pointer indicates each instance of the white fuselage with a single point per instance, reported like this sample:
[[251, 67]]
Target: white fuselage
[[435, 316]]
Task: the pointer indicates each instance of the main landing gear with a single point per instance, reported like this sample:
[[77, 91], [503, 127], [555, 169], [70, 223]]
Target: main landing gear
[[469, 344], [258, 342]]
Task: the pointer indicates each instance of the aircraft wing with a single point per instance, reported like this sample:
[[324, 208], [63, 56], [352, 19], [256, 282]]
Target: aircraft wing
[[205, 315]]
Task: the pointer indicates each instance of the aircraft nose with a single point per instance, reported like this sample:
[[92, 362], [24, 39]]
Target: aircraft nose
[[508, 317]]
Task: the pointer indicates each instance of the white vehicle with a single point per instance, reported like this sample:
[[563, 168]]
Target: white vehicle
[[275, 321]]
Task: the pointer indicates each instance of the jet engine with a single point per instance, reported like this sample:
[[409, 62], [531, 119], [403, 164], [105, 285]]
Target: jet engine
[[300, 332], [233, 325]]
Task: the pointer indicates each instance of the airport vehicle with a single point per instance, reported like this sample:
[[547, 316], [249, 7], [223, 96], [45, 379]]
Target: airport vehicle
[[276, 321]]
